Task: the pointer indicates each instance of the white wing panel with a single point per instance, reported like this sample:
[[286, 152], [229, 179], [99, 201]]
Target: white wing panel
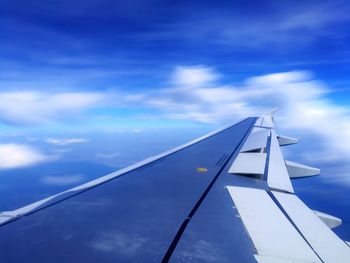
[[329, 220], [278, 176], [297, 170], [272, 234], [249, 163], [256, 140], [284, 140], [324, 241], [267, 259]]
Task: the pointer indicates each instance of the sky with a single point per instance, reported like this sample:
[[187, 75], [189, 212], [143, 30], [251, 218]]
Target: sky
[[82, 81]]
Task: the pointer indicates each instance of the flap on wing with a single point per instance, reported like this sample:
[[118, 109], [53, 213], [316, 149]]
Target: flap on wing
[[284, 229], [249, 164], [329, 248], [256, 141], [272, 234], [281, 226], [277, 174], [271, 167], [284, 140], [272, 259], [298, 170], [329, 220]]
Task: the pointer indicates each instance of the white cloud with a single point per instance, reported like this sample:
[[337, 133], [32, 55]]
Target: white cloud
[[34, 107], [203, 251], [63, 179], [119, 242], [194, 76], [197, 94], [303, 100], [19, 155], [65, 141], [108, 155], [300, 24]]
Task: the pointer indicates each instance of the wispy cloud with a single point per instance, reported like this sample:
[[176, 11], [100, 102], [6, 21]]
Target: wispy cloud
[[34, 107], [204, 251], [198, 93], [108, 155], [20, 155], [63, 179], [303, 100], [118, 242], [281, 23], [194, 76], [65, 141]]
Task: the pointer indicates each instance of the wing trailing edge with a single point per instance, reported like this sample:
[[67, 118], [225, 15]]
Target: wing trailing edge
[[281, 227]]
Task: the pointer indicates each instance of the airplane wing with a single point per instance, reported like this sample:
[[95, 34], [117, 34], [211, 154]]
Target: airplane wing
[[225, 197]]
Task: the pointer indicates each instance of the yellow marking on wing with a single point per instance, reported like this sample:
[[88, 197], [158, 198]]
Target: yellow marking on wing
[[202, 170]]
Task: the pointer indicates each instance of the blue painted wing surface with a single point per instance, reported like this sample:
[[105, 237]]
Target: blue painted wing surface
[[135, 217], [251, 214], [227, 197]]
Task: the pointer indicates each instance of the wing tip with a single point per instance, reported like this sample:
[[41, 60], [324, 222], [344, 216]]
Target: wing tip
[[272, 112]]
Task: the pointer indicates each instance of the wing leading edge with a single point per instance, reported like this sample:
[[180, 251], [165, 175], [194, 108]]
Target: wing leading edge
[[132, 215]]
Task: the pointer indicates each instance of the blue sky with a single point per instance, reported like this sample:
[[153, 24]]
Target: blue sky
[[101, 45], [97, 49], [74, 73]]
